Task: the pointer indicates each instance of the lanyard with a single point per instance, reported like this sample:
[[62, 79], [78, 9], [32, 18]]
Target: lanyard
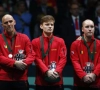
[[8, 46], [91, 55], [42, 46]]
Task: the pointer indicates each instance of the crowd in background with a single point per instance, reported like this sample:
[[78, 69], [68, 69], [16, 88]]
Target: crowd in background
[[27, 14]]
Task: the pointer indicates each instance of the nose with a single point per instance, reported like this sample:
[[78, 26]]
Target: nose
[[8, 23], [90, 28]]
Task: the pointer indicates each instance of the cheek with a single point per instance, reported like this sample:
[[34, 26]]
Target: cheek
[[45, 28], [53, 27]]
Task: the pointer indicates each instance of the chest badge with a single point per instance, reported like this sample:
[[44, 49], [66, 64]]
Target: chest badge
[[5, 46]]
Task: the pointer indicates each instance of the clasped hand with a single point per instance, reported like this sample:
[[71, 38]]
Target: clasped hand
[[89, 78], [20, 65], [52, 74]]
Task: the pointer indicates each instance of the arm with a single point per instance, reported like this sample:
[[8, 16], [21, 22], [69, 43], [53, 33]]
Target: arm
[[97, 68], [62, 55], [5, 61], [30, 54], [75, 61], [39, 63]]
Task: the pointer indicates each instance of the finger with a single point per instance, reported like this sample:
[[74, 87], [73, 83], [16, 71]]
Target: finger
[[52, 77], [55, 76], [55, 73], [93, 79]]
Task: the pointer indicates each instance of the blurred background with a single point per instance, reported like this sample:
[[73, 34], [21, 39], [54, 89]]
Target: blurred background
[[68, 14]]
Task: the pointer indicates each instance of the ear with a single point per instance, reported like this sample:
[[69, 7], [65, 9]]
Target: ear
[[82, 29], [14, 22], [41, 26]]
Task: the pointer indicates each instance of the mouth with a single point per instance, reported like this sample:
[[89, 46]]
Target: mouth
[[49, 29], [89, 32]]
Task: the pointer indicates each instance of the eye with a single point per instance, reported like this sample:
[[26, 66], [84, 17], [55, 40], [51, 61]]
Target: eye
[[5, 22], [89, 26], [47, 24], [52, 24], [10, 21], [92, 26]]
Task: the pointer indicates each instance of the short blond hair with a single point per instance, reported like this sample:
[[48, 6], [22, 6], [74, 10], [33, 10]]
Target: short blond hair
[[47, 18]]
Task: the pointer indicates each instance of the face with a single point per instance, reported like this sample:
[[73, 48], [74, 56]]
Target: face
[[47, 27], [1, 11], [22, 7], [8, 23], [74, 10], [88, 28]]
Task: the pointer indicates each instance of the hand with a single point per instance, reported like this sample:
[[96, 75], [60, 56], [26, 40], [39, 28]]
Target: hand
[[51, 74], [79, 38], [20, 65], [92, 76], [56, 74], [87, 79]]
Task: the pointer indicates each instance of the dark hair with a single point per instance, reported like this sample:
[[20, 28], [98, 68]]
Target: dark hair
[[74, 3], [47, 18]]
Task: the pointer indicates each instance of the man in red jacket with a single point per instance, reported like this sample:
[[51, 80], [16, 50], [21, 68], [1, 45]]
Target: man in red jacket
[[51, 57], [85, 56], [16, 55]]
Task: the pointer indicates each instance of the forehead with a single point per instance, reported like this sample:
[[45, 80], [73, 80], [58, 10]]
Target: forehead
[[88, 22], [7, 18], [49, 22], [74, 6]]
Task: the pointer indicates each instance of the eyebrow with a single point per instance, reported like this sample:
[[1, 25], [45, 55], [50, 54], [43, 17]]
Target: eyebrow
[[87, 26], [8, 21]]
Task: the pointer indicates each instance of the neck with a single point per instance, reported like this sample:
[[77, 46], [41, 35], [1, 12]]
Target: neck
[[47, 34], [87, 39], [11, 34]]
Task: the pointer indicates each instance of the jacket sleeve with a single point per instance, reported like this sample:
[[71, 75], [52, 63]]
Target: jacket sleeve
[[38, 61], [97, 68], [75, 61], [30, 54], [62, 56], [5, 61]]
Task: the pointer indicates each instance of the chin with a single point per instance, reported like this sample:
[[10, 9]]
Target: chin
[[89, 36], [49, 32]]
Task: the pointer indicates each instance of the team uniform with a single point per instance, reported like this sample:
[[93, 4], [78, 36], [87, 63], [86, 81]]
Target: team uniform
[[80, 57], [57, 53], [8, 73]]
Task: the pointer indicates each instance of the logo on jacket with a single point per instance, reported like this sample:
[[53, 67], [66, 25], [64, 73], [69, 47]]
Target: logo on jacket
[[72, 52], [81, 52], [54, 49], [5, 46], [18, 46]]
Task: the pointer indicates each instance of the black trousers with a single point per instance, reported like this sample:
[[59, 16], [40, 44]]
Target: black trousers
[[57, 87], [14, 85]]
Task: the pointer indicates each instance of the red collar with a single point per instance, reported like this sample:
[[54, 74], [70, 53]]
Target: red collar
[[47, 37], [5, 33]]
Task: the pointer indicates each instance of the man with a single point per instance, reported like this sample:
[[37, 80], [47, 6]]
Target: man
[[85, 57], [51, 55], [71, 26], [96, 20], [23, 18], [15, 56]]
